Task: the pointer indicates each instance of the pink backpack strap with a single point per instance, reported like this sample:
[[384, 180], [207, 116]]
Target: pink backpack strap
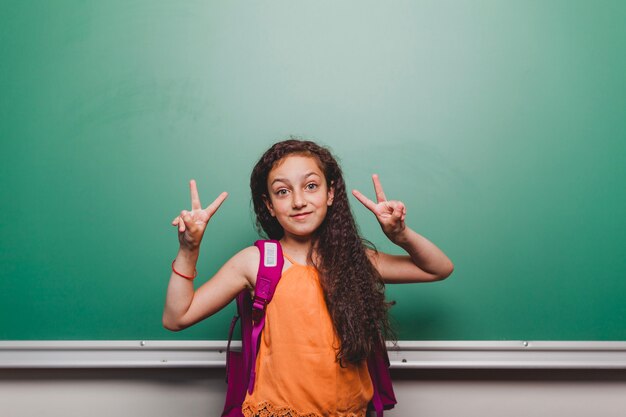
[[270, 270], [378, 367]]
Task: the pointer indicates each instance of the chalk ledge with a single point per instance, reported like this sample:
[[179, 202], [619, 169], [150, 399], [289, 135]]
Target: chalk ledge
[[406, 354]]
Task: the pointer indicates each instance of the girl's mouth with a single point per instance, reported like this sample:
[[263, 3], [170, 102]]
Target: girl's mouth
[[300, 215]]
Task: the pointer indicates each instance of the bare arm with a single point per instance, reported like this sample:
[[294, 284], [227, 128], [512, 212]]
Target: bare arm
[[183, 305], [425, 262]]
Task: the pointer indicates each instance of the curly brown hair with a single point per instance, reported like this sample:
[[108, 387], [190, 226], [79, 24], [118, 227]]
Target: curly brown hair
[[353, 288]]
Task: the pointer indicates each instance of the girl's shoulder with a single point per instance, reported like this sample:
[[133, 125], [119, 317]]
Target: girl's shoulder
[[246, 261]]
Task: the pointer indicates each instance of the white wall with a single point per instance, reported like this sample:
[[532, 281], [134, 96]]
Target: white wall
[[200, 392]]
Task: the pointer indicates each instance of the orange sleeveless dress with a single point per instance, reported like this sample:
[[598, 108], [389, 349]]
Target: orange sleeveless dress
[[296, 371]]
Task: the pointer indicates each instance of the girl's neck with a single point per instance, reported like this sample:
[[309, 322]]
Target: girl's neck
[[298, 249]]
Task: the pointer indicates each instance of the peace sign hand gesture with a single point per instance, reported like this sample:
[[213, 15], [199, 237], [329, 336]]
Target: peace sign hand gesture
[[390, 214], [192, 224]]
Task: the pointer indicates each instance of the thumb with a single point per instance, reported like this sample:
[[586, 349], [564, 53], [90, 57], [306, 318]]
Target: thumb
[[188, 222]]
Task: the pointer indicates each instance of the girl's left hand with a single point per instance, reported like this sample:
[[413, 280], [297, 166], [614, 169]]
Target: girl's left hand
[[390, 214]]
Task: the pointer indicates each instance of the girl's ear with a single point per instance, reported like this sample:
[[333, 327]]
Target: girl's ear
[[268, 204], [331, 194]]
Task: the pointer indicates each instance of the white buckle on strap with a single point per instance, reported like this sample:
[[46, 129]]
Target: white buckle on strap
[[270, 257]]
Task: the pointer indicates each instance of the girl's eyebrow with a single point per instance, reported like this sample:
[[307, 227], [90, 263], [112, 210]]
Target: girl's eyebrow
[[311, 173], [279, 180], [286, 181]]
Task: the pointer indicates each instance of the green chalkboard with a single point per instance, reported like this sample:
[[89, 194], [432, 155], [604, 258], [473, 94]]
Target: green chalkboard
[[501, 125]]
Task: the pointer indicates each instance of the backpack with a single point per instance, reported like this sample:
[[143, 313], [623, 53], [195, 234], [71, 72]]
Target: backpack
[[240, 365]]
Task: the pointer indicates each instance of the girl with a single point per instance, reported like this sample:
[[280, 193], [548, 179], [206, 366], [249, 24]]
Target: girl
[[329, 309]]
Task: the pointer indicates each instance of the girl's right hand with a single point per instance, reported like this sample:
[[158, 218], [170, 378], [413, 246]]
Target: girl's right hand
[[192, 224]]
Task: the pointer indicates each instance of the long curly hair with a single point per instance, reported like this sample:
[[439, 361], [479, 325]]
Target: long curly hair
[[353, 288]]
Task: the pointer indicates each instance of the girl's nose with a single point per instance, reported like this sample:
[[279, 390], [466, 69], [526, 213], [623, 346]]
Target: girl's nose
[[298, 200]]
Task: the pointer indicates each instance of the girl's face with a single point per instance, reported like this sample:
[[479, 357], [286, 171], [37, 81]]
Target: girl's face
[[298, 195]]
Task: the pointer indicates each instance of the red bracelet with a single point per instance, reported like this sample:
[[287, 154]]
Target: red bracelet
[[181, 275]]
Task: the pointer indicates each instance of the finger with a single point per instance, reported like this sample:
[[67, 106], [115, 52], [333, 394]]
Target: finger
[[195, 198], [364, 200], [181, 222], [397, 209], [391, 207], [175, 221], [380, 194], [189, 223], [212, 208]]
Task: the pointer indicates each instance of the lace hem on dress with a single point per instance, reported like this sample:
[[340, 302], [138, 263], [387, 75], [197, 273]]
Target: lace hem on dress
[[266, 409]]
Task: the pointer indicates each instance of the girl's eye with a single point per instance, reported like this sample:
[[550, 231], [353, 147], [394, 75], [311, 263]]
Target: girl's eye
[[282, 191], [311, 186]]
